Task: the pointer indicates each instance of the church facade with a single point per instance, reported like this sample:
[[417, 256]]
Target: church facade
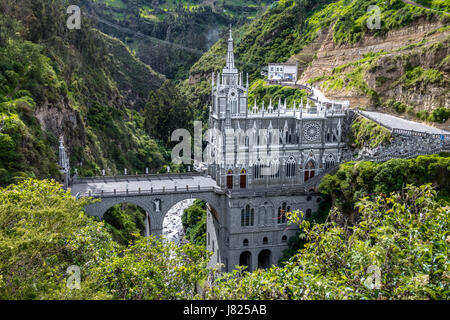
[[265, 158]]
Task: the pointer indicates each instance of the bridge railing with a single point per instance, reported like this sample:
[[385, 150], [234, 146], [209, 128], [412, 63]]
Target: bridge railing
[[404, 132], [407, 132], [104, 194], [139, 177], [267, 190]]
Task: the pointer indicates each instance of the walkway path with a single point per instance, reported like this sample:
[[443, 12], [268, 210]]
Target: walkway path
[[392, 122], [142, 184]]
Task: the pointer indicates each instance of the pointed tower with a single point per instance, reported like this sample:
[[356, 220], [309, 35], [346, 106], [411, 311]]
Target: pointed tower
[[230, 74], [64, 163]]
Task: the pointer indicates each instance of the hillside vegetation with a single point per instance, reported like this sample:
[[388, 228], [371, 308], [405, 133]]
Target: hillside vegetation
[[81, 84], [172, 34], [43, 231], [399, 250]]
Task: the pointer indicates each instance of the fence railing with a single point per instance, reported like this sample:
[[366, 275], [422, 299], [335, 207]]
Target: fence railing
[[139, 177], [405, 132], [104, 194]]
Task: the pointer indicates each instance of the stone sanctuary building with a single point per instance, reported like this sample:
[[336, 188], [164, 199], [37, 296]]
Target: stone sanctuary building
[[268, 160], [263, 161]]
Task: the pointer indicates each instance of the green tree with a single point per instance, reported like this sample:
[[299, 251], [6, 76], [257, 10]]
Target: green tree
[[44, 230], [165, 112], [194, 223]]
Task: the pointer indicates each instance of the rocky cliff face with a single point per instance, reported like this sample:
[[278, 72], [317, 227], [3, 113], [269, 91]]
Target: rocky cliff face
[[408, 67], [331, 55]]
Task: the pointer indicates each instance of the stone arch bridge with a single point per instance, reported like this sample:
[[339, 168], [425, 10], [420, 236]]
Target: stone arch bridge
[[156, 194]]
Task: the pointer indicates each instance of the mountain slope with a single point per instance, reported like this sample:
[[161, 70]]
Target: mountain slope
[[401, 67], [80, 84], [170, 36]]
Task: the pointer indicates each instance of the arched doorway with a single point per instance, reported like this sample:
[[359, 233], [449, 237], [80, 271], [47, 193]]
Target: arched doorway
[[309, 170], [243, 179], [230, 179], [264, 259], [245, 259]]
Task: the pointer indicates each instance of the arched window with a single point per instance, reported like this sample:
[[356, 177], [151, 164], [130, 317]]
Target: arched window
[[282, 212], [290, 167], [243, 179], [247, 216], [257, 170], [308, 213], [245, 243], [209, 239], [230, 179], [234, 106], [245, 259], [275, 169], [329, 162], [265, 240], [284, 238], [264, 259], [309, 170]]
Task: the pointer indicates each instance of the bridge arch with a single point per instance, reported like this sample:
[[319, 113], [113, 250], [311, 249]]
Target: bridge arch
[[172, 200], [99, 209], [156, 206]]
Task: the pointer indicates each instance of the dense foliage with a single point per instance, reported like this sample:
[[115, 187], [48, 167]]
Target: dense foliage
[[43, 231], [399, 250], [166, 111], [355, 180], [367, 133], [260, 92], [125, 222], [82, 84]]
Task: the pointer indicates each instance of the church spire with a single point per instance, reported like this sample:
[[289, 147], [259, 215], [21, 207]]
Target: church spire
[[230, 53]]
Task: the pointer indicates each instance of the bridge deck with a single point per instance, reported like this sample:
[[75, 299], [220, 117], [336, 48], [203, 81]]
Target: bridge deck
[[393, 122], [146, 183]]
